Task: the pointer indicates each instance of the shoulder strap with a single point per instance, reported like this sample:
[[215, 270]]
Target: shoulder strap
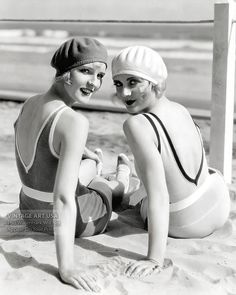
[[193, 180], [155, 130], [52, 129], [28, 166]]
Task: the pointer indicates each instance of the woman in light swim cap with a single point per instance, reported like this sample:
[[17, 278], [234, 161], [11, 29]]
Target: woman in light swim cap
[[183, 198]]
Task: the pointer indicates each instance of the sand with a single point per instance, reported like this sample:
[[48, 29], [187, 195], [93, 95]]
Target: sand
[[28, 260]]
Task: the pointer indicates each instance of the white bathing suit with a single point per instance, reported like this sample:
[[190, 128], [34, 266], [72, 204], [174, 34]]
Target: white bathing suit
[[199, 213]]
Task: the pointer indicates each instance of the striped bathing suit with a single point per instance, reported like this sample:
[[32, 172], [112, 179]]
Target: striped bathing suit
[[206, 207], [93, 203]]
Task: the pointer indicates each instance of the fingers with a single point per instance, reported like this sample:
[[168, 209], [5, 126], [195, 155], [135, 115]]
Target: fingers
[[141, 269], [136, 270], [73, 282], [87, 284], [132, 269], [82, 282]]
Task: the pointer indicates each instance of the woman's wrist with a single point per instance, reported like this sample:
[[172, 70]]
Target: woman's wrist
[[65, 270]]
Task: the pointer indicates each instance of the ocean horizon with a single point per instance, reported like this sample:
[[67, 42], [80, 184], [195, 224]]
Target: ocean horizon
[[200, 31]]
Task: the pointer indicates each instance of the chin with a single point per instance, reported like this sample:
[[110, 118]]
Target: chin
[[134, 110], [83, 99]]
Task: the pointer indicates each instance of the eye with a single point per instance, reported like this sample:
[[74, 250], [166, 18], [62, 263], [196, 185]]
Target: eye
[[117, 83], [133, 82], [101, 75], [84, 71]]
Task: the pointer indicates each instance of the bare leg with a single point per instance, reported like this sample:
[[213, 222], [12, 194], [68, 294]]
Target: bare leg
[[123, 171], [87, 172], [99, 164], [120, 184]]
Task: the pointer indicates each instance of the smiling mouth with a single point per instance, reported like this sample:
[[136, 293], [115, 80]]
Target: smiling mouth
[[129, 102], [86, 91]]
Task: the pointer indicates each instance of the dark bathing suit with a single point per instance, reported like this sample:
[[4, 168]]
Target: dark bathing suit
[[36, 197]]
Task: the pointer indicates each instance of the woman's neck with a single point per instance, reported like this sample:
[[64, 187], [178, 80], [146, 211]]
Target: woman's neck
[[157, 105], [57, 92]]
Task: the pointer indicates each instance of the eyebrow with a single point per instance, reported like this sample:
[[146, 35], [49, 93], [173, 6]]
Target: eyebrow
[[91, 68], [134, 77]]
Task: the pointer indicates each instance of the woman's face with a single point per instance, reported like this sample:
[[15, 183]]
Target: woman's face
[[136, 93], [85, 80]]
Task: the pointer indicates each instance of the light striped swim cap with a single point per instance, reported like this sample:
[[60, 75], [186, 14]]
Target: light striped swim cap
[[140, 61]]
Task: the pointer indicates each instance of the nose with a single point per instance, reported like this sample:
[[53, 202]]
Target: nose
[[125, 92], [94, 83]]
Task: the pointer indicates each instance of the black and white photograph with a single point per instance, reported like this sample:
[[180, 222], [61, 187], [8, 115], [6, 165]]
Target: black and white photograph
[[117, 147]]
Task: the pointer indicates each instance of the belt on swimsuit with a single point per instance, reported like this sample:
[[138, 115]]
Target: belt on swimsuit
[[37, 195], [180, 205], [199, 193]]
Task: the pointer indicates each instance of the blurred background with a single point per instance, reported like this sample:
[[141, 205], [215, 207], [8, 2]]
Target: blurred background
[[173, 30]]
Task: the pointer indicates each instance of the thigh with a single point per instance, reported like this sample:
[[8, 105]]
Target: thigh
[[87, 172], [93, 210]]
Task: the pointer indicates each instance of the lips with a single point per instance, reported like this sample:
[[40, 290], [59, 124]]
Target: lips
[[130, 102], [86, 91]]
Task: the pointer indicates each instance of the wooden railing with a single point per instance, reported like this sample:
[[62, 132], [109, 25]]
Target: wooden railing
[[223, 85]]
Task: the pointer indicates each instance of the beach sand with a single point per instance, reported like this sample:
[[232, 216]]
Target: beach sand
[[28, 260]]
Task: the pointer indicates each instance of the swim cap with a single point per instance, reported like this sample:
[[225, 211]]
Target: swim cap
[[77, 52], [140, 61]]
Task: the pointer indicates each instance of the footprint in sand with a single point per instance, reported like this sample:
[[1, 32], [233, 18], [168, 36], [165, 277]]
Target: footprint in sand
[[229, 284], [14, 275], [15, 256], [217, 273]]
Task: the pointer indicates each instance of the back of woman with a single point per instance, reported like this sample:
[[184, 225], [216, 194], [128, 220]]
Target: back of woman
[[35, 161], [181, 148]]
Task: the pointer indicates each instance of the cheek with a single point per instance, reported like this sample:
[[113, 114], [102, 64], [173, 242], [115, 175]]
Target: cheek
[[119, 92], [141, 90], [99, 84]]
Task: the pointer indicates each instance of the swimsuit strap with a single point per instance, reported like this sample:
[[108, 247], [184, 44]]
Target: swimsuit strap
[[52, 130], [190, 179], [28, 166], [155, 130]]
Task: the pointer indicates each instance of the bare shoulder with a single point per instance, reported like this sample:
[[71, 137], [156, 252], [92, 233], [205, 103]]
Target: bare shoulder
[[138, 127], [134, 123], [72, 122], [179, 109]]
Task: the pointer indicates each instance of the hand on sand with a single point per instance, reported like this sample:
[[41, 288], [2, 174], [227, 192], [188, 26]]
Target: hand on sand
[[80, 280], [142, 268]]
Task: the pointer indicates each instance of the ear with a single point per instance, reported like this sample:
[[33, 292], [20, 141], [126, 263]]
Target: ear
[[159, 89], [67, 79]]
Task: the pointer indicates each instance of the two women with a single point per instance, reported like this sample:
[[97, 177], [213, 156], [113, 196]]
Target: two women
[[184, 197]]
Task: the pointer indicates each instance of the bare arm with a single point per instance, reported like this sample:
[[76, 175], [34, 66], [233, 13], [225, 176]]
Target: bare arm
[[72, 130], [141, 140]]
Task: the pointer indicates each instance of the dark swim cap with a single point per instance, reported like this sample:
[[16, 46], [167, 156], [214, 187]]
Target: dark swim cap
[[77, 52]]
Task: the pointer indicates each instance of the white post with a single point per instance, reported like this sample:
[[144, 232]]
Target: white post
[[223, 79]]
